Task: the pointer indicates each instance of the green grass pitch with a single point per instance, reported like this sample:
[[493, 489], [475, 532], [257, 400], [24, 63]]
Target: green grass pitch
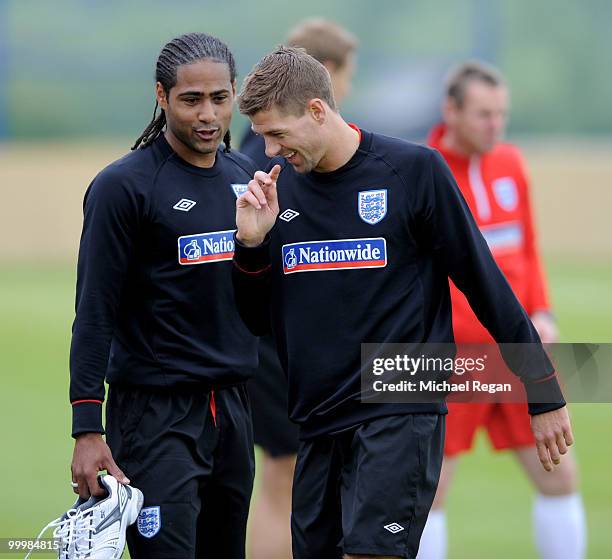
[[489, 505]]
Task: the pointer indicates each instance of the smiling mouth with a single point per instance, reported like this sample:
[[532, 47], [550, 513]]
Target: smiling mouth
[[289, 154], [207, 133]]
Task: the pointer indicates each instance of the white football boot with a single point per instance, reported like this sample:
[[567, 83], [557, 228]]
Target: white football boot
[[101, 522], [63, 532]]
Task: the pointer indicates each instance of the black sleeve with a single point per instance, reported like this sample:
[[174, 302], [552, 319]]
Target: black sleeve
[[457, 242], [251, 280], [110, 225]]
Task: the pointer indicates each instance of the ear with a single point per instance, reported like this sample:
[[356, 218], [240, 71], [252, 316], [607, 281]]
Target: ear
[[317, 109], [449, 110], [234, 88], [160, 94]]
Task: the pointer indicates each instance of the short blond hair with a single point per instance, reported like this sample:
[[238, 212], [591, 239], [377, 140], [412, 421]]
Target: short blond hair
[[287, 78], [324, 40]]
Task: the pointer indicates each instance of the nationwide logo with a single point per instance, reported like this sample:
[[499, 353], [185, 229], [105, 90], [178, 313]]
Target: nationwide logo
[[206, 247], [341, 254]]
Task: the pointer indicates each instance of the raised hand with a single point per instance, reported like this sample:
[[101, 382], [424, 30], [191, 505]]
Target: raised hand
[[257, 208]]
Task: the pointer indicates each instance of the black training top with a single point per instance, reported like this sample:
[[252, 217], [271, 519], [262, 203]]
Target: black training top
[[363, 254], [154, 301]]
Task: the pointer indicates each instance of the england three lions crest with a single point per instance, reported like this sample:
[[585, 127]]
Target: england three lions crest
[[372, 205], [149, 521]]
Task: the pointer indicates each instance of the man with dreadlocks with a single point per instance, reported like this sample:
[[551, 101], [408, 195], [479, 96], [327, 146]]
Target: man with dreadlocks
[[156, 318]]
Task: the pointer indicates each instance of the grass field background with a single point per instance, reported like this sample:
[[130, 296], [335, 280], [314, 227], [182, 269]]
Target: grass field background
[[489, 506]]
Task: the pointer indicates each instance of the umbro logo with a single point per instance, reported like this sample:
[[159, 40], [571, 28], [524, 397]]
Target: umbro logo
[[394, 527], [288, 215], [184, 205]]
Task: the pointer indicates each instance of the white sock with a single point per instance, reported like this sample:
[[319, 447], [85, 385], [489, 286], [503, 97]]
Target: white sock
[[560, 526], [433, 540]]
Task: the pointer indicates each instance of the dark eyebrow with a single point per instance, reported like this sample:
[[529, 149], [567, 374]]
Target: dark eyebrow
[[219, 92], [200, 94], [191, 94]]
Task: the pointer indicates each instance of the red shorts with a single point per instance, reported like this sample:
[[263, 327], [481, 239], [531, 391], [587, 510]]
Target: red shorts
[[508, 426]]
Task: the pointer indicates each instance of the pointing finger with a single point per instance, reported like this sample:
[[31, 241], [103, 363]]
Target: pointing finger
[[275, 172]]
